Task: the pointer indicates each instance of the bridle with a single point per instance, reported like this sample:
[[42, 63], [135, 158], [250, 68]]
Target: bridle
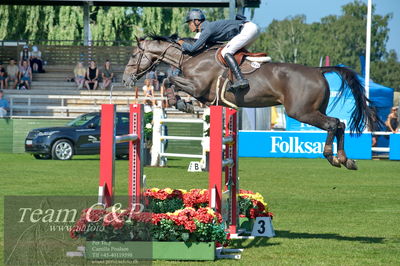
[[142, 53]]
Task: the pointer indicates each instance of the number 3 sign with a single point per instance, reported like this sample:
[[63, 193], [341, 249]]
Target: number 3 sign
[[263, 227]]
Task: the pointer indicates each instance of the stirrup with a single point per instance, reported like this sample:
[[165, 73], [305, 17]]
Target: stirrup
[[238, 85]]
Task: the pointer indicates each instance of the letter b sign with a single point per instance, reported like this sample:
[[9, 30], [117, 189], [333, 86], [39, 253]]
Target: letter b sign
[[194, 167]]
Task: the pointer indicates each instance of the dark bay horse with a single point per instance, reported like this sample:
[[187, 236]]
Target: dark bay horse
[[302, 90]]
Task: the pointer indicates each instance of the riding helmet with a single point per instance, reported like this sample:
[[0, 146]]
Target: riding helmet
[[195, 14]]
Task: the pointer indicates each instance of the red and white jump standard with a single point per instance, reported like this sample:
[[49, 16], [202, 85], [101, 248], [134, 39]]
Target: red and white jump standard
[[224, 190], [108, 140]]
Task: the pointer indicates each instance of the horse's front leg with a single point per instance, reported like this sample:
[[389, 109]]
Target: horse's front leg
[[181, 84], [187, 85]]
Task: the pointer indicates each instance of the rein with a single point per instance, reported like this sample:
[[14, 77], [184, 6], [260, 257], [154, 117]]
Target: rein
[[158, 60]]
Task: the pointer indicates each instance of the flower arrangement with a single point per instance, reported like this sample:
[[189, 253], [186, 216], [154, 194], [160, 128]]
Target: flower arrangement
[[164, 200], [177, 215], [252, 205], [112, 225], [202, 225]]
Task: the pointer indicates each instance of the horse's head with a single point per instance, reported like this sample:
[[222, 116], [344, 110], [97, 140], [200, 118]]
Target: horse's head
[[147, 54]]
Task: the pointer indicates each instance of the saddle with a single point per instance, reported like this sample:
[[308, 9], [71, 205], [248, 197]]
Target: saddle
[[248, 62], [241, 55]]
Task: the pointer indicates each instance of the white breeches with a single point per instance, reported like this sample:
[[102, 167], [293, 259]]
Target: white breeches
[[247, 35]]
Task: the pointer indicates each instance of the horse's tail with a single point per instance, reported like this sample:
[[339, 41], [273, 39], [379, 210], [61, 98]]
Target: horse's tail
[[363, 113]]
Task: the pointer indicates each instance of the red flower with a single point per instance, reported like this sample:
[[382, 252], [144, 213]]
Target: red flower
[[162, 194], [176, 194], [242, 191], [260, 206], [254, 213], [93, 215], [157, 217], [195, 197], [73, 233], [219, 217], [203, 216], [118, 223]]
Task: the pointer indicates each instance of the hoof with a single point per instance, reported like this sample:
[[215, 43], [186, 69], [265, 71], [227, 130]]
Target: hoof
[[335, 162], [190, 108], [350, 164], [181, 106], [185, 107]]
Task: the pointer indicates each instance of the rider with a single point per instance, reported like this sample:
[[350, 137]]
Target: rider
[[239, 33]]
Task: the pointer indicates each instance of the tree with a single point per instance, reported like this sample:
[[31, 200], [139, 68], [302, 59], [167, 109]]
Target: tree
[[387, 72], [282, 39], [107, 23]]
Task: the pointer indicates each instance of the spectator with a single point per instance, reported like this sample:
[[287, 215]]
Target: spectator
[[92, 76], [79, 75], [12, 73], [25, 75], [36, 60], [160, 78], [392, 122], [24, 55], [173, 71], [152, 76], [166, 90], [4, 106], [3, 77], [148, 91], [107, 75]]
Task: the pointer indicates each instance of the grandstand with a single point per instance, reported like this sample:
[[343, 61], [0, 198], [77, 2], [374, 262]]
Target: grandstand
[[53, 95]]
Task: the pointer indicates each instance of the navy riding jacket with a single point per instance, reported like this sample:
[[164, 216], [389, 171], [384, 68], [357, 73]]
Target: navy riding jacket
[[216, 31]]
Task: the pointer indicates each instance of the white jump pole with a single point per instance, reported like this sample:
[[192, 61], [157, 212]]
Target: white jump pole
[[368, 49]]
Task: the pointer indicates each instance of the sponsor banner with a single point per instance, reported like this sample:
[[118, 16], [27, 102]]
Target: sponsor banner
[[341, 107], [298, 144], [342, 110], [394, 153]]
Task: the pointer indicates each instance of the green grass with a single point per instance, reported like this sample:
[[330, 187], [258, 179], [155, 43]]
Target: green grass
[[323, 215]]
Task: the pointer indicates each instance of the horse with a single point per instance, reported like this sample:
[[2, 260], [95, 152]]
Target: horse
[[302, 90]]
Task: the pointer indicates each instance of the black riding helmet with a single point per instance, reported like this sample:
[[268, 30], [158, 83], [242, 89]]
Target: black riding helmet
[[195, 14]]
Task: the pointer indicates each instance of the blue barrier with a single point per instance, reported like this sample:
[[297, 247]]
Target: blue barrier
[[394, 145], [295, 144]]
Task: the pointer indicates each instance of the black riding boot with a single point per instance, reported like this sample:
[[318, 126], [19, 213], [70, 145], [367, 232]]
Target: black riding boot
[[241, 82]]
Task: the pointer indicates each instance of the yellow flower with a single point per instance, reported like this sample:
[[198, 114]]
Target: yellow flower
[[183, 191], [154, 189], [202, 191], [210, 211], [168, 190], [257, 196]]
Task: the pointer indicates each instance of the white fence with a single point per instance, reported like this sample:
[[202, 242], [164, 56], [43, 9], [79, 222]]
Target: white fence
[[66, 109], [158, 154]]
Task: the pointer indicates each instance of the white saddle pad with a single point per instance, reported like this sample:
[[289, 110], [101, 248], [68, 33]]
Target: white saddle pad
[[259, 59]]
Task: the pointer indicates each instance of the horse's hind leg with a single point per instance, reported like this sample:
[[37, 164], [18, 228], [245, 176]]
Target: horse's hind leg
[[328, 148], [348, 163], [327, 123]]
